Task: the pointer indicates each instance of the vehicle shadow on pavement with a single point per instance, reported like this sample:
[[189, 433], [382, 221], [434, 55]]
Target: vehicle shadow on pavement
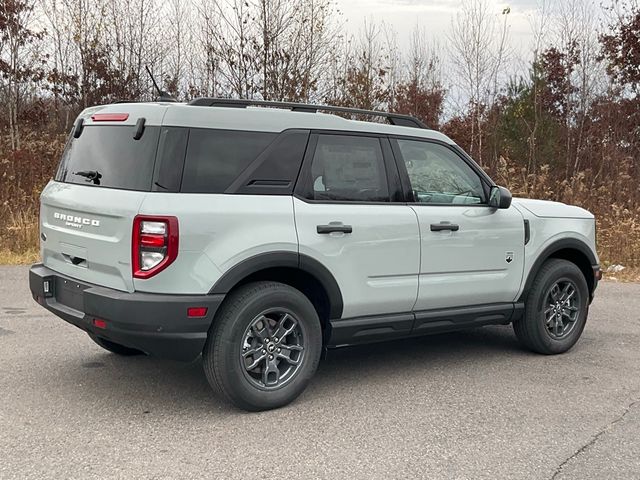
[[420, 354], [143, 384]]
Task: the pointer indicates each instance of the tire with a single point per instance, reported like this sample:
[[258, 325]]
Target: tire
[[251, 317], [115, 347], [539, 330]]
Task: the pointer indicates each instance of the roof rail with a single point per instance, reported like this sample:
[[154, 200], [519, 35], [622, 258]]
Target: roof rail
[[393, 118]]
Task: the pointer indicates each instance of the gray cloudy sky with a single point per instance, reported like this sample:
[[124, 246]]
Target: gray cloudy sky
[[435, 16]]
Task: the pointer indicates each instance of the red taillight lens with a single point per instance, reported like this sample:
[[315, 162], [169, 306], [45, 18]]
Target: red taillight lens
[[147, 240], [154, 244], [109, 117]]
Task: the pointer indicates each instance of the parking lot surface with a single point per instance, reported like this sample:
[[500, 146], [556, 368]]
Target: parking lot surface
[[468, 405]]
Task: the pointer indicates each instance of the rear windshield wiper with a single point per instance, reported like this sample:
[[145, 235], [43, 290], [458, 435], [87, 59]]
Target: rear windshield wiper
[[91, 176]]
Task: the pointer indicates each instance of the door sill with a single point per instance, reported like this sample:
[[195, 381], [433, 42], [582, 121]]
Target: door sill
[[377, 328]]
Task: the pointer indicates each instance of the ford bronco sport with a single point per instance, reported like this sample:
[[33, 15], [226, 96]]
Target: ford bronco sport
[[258, 234]]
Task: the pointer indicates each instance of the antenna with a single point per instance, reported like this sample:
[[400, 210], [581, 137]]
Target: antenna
[[162, 95]]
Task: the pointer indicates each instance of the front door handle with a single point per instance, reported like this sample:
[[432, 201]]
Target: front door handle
[[334, 227], [438, 227]]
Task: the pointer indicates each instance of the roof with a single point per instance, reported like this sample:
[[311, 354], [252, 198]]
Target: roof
[[251, 118]]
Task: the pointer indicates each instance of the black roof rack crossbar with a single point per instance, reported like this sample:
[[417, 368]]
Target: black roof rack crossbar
[[393, 118]]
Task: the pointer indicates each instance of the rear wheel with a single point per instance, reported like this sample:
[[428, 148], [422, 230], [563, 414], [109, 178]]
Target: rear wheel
[[556, 309], [263, 347], [115, 347]]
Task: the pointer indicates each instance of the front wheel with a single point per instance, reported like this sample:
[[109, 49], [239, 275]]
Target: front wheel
[[264, 346], [556, 309]]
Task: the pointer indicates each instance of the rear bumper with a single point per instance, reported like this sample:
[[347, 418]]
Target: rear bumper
[[156, 324]]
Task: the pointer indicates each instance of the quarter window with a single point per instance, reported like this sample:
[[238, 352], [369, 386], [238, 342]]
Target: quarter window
[[216, 157], [440, 176], [349, 168]]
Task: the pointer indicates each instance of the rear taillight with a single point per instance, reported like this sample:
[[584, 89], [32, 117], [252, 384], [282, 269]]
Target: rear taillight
[[154, 245]]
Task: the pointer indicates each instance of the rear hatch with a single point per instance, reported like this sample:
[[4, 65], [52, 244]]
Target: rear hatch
[[87, 212]]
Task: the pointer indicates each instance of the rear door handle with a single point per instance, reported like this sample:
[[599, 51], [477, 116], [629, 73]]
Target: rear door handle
[[334, 227], [438, 227]]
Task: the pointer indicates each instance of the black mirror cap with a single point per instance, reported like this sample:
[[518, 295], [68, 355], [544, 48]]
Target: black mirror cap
[[500, 197]]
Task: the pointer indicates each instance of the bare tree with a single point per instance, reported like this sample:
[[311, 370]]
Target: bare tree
[[539, 23], [420, 91], [318, 32], [478, 51], [575, 32], [18, 65], [62, 81], [364, 70], [236, 47], [205, 60], [393, 65]]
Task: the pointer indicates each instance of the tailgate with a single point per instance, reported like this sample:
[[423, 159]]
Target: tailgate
[[88, 233]]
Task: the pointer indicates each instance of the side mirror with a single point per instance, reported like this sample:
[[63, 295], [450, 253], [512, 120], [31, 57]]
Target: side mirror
[[499, 197]]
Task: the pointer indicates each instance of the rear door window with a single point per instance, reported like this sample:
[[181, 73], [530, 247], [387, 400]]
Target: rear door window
[[215, 158], [349, 168], [108, 156]]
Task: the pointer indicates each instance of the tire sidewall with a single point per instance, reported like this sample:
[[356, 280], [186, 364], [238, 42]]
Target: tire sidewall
[[535, 308], [230, 339]]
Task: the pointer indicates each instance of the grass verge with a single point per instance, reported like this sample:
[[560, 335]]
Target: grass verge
[[7, 257], [626, 275]]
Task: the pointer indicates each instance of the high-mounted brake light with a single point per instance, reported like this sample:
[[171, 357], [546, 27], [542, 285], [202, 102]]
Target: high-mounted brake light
[[154, 244], [109, 117]]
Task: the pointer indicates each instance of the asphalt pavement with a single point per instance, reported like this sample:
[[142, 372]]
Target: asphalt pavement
[[469, 405]]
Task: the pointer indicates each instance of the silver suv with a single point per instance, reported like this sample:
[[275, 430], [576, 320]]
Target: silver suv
[[259, 234]]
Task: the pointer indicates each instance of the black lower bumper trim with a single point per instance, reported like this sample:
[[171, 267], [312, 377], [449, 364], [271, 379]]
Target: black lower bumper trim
[[154, 323]]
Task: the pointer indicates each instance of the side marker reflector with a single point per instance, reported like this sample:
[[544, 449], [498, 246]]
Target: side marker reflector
[[99, 323], [197, 312]]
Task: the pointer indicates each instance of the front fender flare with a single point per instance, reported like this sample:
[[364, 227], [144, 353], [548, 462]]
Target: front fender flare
[[549, 250]]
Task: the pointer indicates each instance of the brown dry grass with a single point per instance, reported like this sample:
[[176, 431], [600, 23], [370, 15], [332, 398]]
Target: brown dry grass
[[615, 202], [7, 257], [627, 275], [23, 174]]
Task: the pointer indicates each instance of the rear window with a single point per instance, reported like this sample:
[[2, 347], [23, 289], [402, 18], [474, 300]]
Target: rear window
[[215, 158], [108, 156]]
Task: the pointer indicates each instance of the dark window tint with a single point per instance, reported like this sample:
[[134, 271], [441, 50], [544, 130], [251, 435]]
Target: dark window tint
[[108, 156], [276, 170], [439, 175], [170, 162], [216, 157], [349, 168]]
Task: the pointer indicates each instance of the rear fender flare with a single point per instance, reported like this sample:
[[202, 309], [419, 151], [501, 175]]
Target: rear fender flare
[[263, 261]]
